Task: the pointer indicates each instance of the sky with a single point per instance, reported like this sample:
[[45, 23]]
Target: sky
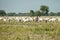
[[27, 5]]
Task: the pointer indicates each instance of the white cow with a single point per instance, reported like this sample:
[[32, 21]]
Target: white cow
[[18, 19], [25, 19], [40, 19], [1, 18], [30, 19], [52, 20], [46, 19], [7, 19], [59, 19]]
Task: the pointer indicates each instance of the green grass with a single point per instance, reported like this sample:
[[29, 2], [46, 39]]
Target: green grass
[[29, 31]]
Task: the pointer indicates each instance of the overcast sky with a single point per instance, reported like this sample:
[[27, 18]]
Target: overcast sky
[[27, 5]]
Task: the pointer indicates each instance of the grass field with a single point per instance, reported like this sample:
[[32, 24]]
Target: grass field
[[29, 31]]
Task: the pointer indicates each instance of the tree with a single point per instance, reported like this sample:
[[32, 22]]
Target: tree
[[52, 14], [23, 14], [44, 9], [2, 13], [38, 13], [32, 13], [11, 14], [58, 13]]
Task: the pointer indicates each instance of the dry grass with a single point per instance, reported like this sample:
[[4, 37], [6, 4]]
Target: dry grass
[[29, 31]]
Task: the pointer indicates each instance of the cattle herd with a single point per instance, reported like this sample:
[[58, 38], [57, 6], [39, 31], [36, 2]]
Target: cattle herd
[[30, 19]]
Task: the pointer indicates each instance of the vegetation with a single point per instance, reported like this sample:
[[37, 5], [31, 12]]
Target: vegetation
[[32, 13], [29, 30], [44, 11], [2, 13]]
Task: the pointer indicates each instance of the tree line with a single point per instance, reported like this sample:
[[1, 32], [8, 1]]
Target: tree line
[[44, 11]]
